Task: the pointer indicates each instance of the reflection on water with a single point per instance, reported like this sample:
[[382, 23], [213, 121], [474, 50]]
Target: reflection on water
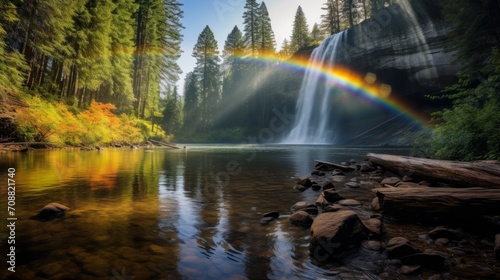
[[165, 214]]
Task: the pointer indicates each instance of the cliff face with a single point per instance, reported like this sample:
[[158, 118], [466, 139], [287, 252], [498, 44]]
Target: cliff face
[[404, 50]]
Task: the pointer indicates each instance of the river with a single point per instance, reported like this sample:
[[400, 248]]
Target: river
[[158, 213]]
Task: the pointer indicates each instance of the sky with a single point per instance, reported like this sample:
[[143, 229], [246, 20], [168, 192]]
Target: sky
[[223, 15]]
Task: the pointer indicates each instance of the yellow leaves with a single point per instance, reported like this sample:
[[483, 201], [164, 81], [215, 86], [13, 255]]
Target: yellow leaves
[[97, 125]]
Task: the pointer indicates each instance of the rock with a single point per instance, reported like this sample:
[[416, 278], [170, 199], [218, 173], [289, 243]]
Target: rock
[[399, 247], [298, 205], [332, 196], [349, 202], [496, 249], [375, 204], [300, 188], [157, 250], [321, 201], [333, 208], [373, 245], [334, 232], [313, 210], [273, 215], [442, 241], [377, 178], [374, 226], [304, 181], [409, 269], [367, 166], [345, 163], [338, 172], [435, 277], [266, 220], [316, 187], [428, 259], [301, 218], [443, 232], [391, 181], [352, 161], [338, 178], [352, 185], [50, 212], [318, 173], [407, 178], [304, 206], [328, 185]]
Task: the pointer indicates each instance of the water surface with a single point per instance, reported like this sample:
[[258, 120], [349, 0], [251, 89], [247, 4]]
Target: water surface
[[168, 214]]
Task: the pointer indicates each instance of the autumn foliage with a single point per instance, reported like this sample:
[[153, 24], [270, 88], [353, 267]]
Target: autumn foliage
[[45, 121]]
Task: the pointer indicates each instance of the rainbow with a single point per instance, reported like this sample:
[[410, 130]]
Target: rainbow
[[365, 87]]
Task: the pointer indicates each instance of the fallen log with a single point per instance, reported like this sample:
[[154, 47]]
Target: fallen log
[[173, 146], [458, 202], [332, 166], [485, 174]]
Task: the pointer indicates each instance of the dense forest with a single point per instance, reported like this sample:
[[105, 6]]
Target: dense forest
[[104, 71]]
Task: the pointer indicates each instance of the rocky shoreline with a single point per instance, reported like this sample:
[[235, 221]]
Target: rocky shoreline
[[419, 247]]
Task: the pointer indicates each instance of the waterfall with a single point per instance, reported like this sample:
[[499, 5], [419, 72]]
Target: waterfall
[[312, 121]]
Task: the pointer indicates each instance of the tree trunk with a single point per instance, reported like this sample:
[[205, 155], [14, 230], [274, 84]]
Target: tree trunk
[[462, 202], [485, 174]]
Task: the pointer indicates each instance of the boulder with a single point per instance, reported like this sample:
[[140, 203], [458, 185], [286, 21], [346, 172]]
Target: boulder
[[273, 215], [352, 185], [399, 247], [375, 204], [321, 201], [304, 181], [409, 269], [298, 205], [301, 218], [390, 181], [407, 178], [50, 212], [300, 188], [496, 249], [318, 173], [374, 226], [367, 166], [338, 172], [349, 202], [332, 196], [338, 178], [334, 232], [373, 245], [443, 232], [316, 187], [328, 185], [333, 208]]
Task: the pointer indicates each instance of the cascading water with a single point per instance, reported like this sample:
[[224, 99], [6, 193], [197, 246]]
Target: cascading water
[[312, 124], [392, 40]]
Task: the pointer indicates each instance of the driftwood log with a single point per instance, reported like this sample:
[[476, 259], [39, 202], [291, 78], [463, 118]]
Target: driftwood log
[[332, 166], [458, 202], [484, 174]]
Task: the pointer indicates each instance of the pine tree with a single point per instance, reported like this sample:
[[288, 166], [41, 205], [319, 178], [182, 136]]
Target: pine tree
[[171, 114], [122, 49], [349, 11], [266, 34], [207, 71], [11, 62], [251, 21], [300, 33], [191, 102], [330, 20], [233, 74], [316, 35], [286, 50]]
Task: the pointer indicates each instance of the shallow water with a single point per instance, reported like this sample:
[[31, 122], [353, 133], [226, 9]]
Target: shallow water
[[170, 214]]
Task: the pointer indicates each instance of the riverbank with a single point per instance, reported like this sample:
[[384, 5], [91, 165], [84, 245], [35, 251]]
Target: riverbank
[[401, 243]]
